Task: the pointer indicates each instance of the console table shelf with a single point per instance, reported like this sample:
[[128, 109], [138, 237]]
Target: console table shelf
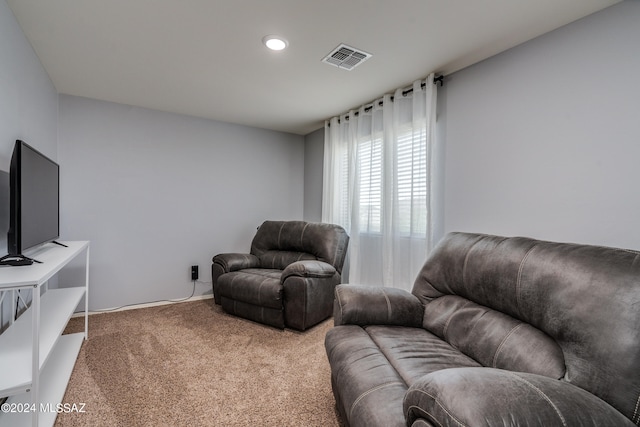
[[35, 358]]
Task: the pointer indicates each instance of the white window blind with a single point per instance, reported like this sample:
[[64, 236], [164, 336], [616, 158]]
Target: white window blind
[[370, 177], [410, 183]]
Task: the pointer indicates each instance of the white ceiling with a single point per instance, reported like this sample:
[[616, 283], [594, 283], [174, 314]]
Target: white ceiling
[[205, 58]]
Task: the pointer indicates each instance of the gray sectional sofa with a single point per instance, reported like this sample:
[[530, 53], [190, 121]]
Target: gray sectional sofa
[[496, 332]]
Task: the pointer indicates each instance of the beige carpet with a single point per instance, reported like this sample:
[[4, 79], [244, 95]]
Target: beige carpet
[[190, 364]]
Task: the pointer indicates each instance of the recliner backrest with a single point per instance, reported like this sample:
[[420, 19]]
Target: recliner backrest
[[280, 243], [584, 298]]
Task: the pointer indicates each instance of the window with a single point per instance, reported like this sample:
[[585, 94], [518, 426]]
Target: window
[[410, 184]]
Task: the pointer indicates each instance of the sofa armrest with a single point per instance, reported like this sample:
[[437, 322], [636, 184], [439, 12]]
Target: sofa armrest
[[370, 305], [234, 261], [468, 396], [309, 268]]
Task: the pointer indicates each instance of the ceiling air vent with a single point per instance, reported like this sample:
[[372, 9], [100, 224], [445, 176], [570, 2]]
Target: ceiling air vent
[[346, 57]]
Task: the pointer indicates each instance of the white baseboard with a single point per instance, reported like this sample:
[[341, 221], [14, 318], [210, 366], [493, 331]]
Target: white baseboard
[[146, 305]]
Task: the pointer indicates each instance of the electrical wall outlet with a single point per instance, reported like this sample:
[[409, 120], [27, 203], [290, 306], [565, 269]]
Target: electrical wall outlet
[[194, 272]]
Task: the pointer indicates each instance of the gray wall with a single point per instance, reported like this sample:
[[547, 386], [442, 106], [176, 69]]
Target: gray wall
[[158, 192], [544, 140], [28, 111], [28, 99], [313, 162]]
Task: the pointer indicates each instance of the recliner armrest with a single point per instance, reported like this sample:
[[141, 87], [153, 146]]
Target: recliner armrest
[[308, 292], [369, 305], [309, 268], [236, 261], [469, 396]]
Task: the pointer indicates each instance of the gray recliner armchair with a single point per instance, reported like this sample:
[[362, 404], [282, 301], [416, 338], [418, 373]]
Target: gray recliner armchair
[[287, 279]]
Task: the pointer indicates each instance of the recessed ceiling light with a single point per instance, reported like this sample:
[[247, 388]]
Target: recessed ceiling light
[[275, 42]]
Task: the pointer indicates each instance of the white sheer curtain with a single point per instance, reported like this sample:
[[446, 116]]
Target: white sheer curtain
[[377, 184]]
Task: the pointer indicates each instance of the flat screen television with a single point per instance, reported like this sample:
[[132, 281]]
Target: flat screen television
[[34, 202]]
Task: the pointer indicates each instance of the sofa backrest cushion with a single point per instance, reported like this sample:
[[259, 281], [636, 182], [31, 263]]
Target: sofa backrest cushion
[[280, 243], [492, 338], [585, 298]]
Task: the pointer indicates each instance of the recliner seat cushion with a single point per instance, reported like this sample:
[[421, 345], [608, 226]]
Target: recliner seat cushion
[[257, 286]]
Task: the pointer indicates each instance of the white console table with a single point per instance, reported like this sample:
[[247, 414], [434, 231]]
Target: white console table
[[36, 360]]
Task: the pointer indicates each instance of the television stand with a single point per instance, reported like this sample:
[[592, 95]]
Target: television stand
[[55, 242], [37, 358]]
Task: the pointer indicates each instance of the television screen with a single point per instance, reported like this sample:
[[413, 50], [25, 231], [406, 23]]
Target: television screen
[[4, 208], [34, 193]]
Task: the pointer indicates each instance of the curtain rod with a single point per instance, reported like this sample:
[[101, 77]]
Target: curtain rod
[[436, 80]]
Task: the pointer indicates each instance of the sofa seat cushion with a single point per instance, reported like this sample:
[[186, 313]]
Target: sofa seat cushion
[[373, 367], [257, 286], [415, 352]]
